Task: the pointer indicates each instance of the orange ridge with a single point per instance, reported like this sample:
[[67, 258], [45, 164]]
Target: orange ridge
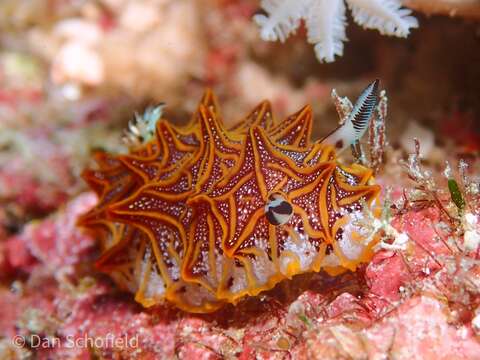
[[183, 217]]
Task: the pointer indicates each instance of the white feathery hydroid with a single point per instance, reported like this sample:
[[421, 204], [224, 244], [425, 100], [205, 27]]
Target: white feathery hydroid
[[325, 21]]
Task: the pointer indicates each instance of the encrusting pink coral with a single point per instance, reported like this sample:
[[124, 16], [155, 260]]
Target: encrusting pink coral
[[55, 242]]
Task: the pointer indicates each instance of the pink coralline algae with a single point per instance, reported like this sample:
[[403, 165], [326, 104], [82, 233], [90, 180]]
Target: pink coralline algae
[[58, 242], [389, 270], [54, 242], [420, 329], [28, 193]]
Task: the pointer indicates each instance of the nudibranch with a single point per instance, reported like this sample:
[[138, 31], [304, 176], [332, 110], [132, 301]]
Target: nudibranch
[[203, 215]]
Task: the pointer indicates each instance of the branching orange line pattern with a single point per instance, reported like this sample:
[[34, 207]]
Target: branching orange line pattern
[[182, 218]]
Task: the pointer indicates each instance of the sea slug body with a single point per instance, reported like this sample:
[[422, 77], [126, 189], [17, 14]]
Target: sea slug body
[[202, 215]]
